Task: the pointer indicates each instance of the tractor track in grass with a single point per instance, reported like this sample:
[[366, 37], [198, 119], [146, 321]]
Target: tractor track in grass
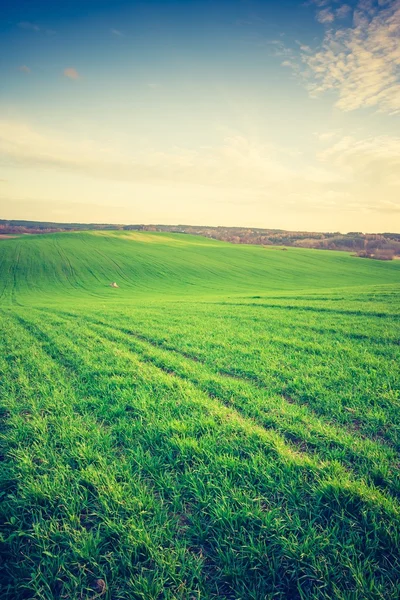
[[121, 449], [321, 450], [317, 309], [49, 346], [341, 333], [249, 378], [208, 549], [242, 375], [295, 438], [113, 456]]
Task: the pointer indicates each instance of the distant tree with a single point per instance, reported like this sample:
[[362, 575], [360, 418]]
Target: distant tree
[[384, 254]]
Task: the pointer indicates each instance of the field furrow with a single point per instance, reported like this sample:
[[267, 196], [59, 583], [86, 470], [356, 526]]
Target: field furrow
[[57, 448], [298, 425]]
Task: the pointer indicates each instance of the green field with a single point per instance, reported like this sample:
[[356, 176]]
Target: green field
[[224, 425]]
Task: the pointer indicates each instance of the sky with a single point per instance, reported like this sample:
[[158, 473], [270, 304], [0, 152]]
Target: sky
[[246, 113]]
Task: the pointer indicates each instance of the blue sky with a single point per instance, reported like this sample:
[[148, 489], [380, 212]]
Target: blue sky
[[276, 114]]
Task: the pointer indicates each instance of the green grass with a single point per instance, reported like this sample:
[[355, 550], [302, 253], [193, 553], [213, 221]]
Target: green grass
[[226, 424]]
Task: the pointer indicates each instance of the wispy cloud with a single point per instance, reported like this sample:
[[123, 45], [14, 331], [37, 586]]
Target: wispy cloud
[[278, 48], [71, 73], [24, 69], [328, 11], [29, 26], [325, 16], [325, 136], [343, 11], [237, 162], [117, 32], [349, 175], [375, 158], [360, 62]]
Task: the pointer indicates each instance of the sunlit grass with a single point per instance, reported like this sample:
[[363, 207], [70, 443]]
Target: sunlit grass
[[223, 425]]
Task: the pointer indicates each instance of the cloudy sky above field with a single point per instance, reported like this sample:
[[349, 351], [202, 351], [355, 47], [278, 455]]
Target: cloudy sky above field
[[236, 112]]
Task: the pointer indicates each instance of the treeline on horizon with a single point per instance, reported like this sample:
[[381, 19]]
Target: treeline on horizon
[[384, 246]]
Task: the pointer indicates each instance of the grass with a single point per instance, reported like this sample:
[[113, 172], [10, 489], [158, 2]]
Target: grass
[[226, 424]]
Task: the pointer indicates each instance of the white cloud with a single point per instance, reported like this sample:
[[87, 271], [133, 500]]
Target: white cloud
[[71, 73], [326, 136], [117, 32], [325, 16], [361, 62], [348, 175], [372, 168], [343, 11], [327, 12], [375, 157], [237, 162], [279, 49]]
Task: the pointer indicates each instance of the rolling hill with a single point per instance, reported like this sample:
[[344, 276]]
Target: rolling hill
[[224, 425], [43, 268]]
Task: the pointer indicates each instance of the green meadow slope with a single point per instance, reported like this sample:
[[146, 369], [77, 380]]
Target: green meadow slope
[[224, 425], [41, 268]]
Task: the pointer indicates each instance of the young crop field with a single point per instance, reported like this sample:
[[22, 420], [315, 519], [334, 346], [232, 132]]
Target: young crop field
[[223, 425]]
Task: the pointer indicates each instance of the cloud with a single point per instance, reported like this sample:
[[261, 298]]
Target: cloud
[[71, 73], [24, 69], [327, 13], [343, 11], [325, 16], [375, 157], [29, 26], [237, 162], [349, 176], [117, 32], [279, 49], [371, 168], [360, 62], [325, 136], [293, 65]]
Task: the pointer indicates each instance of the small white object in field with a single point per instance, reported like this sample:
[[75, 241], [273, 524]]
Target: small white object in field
[[114, 285]]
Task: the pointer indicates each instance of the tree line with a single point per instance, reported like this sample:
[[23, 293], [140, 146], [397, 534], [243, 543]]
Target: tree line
[[382, 246]]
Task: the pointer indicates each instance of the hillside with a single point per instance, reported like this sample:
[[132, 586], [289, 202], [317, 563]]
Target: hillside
[[225, 425], [383, 246], [83, 264]]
